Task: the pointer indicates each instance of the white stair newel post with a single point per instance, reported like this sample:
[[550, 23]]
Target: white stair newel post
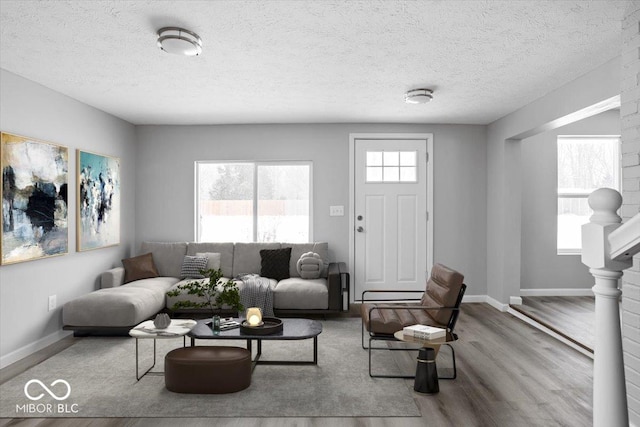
[[609, 389]]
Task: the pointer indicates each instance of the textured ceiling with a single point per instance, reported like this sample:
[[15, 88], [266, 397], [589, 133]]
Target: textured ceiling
[[309, 61]]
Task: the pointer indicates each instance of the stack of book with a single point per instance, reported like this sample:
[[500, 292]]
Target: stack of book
[[225, 324], [424, 332]]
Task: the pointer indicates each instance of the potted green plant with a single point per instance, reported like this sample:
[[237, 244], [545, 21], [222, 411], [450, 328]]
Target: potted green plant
[[213, 292]]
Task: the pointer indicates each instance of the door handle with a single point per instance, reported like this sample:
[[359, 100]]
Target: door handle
[[360, 229]]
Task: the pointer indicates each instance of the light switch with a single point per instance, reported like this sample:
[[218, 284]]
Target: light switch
[[336, 210]]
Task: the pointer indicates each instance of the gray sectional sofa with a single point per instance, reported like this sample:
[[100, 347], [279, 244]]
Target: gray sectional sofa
[[116, 307]]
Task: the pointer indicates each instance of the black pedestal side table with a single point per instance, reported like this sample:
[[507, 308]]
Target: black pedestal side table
[[426, 380]]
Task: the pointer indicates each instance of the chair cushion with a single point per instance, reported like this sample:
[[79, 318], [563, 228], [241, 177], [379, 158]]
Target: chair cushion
[[442, 290], [387, 321]]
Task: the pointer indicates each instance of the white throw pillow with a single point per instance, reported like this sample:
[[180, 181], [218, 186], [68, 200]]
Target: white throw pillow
[[310, 265], [214, 259]]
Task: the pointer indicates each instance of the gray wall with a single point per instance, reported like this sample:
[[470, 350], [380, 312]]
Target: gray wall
[[541, 267], [165, 181], [29, 109], [504, 170]]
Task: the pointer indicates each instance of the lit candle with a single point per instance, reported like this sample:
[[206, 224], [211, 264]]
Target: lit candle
[[254, 316]]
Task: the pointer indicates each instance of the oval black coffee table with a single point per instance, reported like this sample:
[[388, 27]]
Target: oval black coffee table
[[293, 329]]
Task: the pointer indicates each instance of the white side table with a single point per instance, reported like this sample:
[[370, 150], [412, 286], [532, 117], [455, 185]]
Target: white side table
[[146, 330]]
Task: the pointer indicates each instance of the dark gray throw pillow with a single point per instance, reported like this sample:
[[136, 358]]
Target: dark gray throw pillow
[[191, 267], [275, 263]]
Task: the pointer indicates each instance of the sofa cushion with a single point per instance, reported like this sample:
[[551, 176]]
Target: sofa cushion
[[298, 249], [246, 257], [213, 259], [123, 306], [158, 284], [139, 267], [167, 256], [192, 265], [224, 249], [301, 294], [275, 263], [171, 301]]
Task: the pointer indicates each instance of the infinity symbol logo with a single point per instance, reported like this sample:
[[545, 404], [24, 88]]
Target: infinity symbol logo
[[52, 394]]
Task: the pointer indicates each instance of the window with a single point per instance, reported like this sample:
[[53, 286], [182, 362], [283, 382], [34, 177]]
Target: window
[[585, 163], [253, 201], [391, 166]]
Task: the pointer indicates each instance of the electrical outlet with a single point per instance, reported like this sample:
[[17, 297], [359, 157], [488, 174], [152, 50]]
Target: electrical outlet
[[336, 210], [52, 302]]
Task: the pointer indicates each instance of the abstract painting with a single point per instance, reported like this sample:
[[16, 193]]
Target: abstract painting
[[34, 199], [98, 201]]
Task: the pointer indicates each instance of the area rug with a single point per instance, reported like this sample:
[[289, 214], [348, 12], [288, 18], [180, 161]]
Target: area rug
[[102, 383]]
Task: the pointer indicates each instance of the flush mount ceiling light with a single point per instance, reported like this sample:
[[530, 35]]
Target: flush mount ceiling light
[[418, 96], [179, 41]]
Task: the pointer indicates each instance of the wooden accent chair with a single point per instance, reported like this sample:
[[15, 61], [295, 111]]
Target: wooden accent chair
[[439, 306]]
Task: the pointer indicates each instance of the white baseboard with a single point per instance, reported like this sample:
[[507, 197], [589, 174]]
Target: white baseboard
[[485, 299], [557, 292], [31, 348], [474, 298], [515, 301], [497, 304]]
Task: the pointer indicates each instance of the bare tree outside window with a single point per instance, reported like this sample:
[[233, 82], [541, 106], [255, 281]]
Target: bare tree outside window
[[253, 201], [585, 163]]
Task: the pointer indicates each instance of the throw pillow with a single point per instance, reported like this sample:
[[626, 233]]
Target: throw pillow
[[310, 265], [191, 267], [139, 267], [275, 263], [214, 259]]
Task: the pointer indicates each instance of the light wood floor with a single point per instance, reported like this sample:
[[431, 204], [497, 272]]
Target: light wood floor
[[509, 374], [573, 317]]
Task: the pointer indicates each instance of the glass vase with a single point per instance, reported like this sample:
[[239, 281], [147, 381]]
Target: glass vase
[[215, 323]]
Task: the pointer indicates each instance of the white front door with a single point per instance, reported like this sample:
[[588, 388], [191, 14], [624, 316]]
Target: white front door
[[390, 214]]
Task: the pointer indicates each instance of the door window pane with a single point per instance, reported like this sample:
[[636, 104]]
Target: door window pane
[[391, 166], [374, 158], [374, 174], [408, 158], [408, 174], [391, 158], [391, 174]]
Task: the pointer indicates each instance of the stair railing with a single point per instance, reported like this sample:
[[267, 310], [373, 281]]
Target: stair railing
[[608, 247]]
